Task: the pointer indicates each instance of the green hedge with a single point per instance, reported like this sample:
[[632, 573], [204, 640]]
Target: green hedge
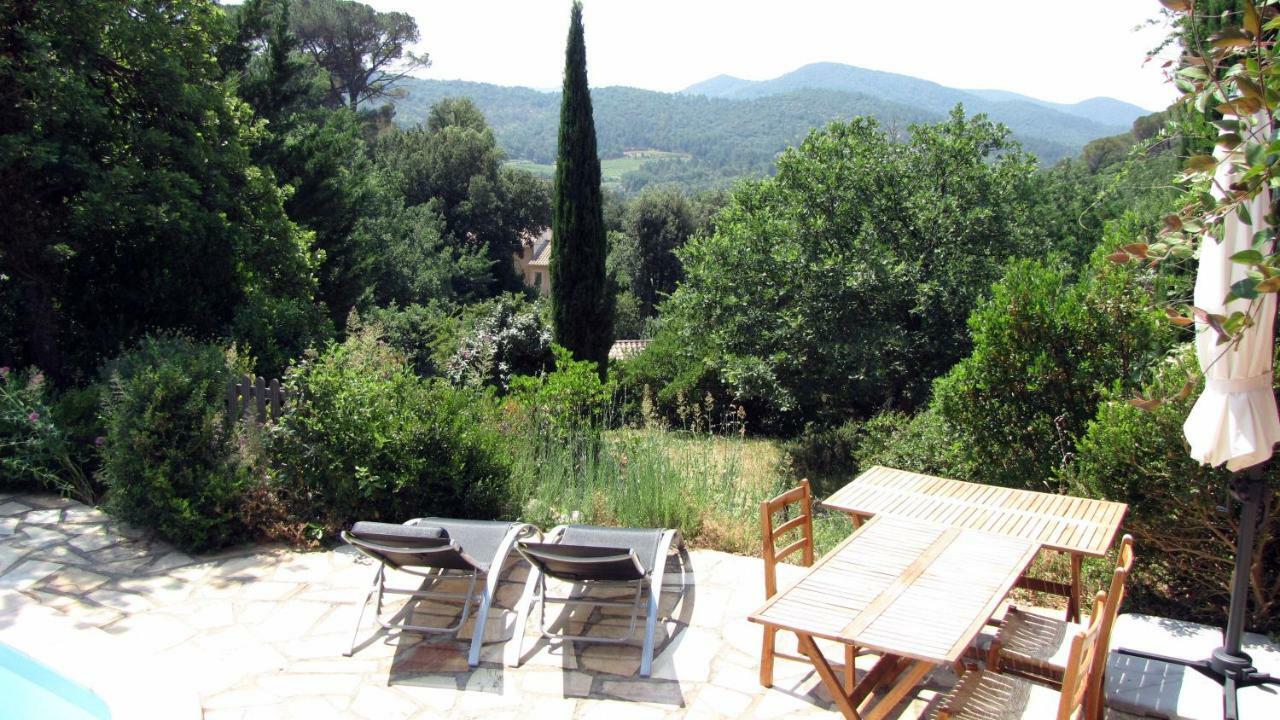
[[1186, 547], [369, 440], [169, 457]]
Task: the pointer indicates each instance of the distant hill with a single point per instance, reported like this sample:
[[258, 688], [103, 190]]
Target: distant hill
[[718, 86], [730, 127], [1023, 115], [1105, 110]]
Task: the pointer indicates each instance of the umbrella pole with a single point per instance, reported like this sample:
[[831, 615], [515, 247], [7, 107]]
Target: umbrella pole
[[1248, 488], [1229, 664]]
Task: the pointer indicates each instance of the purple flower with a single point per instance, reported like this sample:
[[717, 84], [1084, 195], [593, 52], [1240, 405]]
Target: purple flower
[[4, 372], [98, 441], [33, 416]]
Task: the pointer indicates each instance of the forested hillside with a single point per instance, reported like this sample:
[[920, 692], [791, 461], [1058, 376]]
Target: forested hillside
[[732, 137], [1026, 115]]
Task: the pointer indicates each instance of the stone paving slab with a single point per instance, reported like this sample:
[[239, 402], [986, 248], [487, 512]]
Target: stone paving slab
[[260, 632], [1157, 689]]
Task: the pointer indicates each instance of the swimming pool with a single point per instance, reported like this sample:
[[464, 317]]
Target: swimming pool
[[33, 690]]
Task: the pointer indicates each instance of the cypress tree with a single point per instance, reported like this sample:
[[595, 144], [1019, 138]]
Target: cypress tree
[[581, 297]]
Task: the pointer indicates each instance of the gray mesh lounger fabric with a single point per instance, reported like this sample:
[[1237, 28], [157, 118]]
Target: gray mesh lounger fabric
[[590, 554], [642, 541], [579, 563], [475, 548], [478, 538]]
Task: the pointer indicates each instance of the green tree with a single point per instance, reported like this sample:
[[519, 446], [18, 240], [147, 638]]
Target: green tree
[[365, 52], [842, 285], [581, 292], [659, 221], [132, 200], [455, 163]]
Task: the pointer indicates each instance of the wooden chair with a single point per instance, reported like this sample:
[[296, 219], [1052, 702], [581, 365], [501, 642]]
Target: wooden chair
[[986, 695], [1035, 646], [796, 505]]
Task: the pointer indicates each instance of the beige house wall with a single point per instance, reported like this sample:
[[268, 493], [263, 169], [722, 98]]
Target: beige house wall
[[533, 262]]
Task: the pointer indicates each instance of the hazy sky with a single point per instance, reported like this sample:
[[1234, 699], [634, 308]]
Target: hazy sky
[[1062, 52]]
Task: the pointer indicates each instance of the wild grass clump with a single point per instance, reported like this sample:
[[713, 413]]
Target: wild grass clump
[[642, 478], [584, 467]]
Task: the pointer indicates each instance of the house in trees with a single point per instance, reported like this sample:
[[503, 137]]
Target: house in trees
[[533, 262]]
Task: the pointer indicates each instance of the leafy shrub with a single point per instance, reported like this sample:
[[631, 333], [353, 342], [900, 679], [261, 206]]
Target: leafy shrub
[[33, 448], [570, 399], [425, 334], [510, 339], [1044, 350], [78, 414], [656, 384], [1186, 547], [923, 442], [277, 329], [826, 452], [368, 440], [169, 459]]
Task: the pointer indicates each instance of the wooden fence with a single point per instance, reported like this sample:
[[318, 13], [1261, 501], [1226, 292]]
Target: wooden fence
[[266, 400]]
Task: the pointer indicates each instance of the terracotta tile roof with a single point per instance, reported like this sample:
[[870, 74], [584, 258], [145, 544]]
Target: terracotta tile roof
[[541, 251], [623, 349]]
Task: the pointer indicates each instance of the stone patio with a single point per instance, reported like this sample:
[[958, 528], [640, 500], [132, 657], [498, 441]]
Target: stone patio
[[260, 633]]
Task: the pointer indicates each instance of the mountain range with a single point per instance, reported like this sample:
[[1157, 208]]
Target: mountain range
[[1103, 115], [729, 127]]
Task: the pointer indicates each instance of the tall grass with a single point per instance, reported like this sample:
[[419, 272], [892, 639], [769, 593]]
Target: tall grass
[[646, 478]]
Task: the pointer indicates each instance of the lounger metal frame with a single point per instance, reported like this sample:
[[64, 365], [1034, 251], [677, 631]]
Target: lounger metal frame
[[399, 621], [536, 591]]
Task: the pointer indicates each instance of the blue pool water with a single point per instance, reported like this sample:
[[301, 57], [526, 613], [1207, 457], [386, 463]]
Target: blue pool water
[[30, 690]]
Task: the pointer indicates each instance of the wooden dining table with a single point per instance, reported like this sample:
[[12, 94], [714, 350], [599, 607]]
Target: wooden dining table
[[917, 593], [1080, 527]]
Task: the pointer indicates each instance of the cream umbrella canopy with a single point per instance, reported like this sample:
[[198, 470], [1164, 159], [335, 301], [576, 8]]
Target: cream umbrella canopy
[[1234, 421]]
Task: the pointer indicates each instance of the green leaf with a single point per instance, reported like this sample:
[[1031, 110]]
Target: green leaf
[[1248, 257], [1201, 163], [1246, 289], [1246, 217], [1254, 153], [1229, 140], [1230, 125]]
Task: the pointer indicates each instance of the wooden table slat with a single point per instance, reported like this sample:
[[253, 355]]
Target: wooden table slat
[[922, 591], [1058, 522]]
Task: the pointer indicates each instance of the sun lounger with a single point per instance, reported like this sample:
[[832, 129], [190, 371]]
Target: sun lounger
[[589, 556], [435, 548]]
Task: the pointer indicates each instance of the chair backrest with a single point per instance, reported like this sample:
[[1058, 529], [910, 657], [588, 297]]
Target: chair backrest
[[798, 505], [440, 553], [1080, 663], [1124, 565], [1115, 596], [579, 563]]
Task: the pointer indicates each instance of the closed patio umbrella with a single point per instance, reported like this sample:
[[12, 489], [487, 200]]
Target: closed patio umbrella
[[1234, 421]]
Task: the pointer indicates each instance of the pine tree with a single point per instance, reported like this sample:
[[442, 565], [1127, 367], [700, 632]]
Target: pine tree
[[581, 294]]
